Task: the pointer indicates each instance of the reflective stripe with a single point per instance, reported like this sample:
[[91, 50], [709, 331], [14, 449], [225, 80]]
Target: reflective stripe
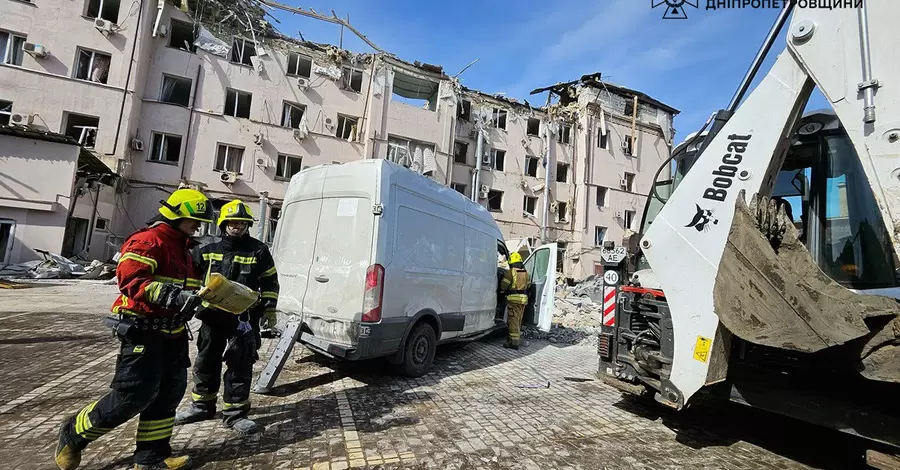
[[271, 310], [212, 256], [235, 406], [269, 295], [201, 397], [84, 427], [153, 290], [270, 272], [245, 259], [191, 282], [517, 298], [156, 424], [140, 259], [168, 279], [144, 436]]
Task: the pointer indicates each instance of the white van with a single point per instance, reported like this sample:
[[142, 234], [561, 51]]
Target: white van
[[377, 260]]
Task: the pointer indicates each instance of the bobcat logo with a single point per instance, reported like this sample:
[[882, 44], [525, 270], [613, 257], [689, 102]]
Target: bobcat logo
[[701, 219]]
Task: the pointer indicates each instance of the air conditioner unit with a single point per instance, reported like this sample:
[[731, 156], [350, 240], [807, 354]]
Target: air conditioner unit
[[302, 83], [485, 188], [329, 122], [299, 134], [482, 195], [137, 144], [626, 145], [554, 206], [228, 177], [36, 50], [163, 30], [261, 162], [20, 119], [258, 139], [105, 26], [620, 213], [486, 160], [623, 182]]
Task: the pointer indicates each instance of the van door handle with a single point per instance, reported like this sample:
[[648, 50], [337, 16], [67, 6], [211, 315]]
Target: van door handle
[[321, 278]]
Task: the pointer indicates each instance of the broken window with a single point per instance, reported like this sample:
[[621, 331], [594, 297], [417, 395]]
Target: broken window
[[82, 128], [229, 158], [465, 110], [291, 114], [5, 112], [299, 65], [165, 149], [562, 210], [414, 91], [629, 182], [351, 80], [495, 200], [562, 172], [498, 117], [182, 36], [629, 108], [288, 166], [534, 126], [599, 235], [11, 48], [562, 249], [105, 9], [601, 197], [242, 50], [175, 90], [93, 66], [498, 159], [346, 127], [565, 134], [629, 220], [529, 205], [628, 145], [460, 152], [237, 103], [459, 187], [531, 165], [601, 138]]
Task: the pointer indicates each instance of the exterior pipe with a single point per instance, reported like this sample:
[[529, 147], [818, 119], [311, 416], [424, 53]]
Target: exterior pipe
[[868, 83], [187, 137], [137, 30], [263, 215], [479, 149], [89, 236]]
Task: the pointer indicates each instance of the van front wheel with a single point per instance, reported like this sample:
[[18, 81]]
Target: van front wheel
[[418, 352]]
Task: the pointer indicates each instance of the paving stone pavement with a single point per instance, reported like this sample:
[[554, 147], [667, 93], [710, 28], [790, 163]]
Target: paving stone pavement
[[482, 407]]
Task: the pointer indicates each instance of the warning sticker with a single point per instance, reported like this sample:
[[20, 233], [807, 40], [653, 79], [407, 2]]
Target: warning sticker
[[701, 349]]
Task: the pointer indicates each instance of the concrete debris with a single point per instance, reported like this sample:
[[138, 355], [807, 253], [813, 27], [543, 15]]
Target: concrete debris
[[55, 266], [331, 71], [210, 43], [577, 315]]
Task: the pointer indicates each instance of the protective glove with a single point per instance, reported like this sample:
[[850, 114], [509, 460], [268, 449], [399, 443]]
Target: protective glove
[[270, 319], [176, 298]]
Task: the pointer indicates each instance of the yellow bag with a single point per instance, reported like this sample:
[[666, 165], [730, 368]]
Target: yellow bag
[[230, 296]]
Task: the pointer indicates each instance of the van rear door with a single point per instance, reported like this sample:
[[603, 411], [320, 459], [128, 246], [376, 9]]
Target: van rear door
[[541, 268]]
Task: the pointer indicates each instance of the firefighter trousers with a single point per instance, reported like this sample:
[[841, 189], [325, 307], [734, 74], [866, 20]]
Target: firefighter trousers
[[515, 312], [211, 344], [150, 380]]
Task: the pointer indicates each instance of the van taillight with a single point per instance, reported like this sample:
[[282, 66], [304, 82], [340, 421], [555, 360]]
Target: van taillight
[[373, 295]]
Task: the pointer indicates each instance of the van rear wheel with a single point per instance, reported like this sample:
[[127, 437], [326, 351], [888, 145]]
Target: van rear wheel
[[418, 352]]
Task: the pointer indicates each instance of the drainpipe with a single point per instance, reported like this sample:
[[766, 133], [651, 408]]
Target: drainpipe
[[187, 137], [479, 150], [263, 215], [137, 30], [548, 155], [89, 236]]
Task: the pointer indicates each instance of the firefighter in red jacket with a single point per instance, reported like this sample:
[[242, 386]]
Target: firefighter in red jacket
[[157, 277]]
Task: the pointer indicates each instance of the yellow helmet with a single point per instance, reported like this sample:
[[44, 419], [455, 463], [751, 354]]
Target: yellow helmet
[[235, 210], [515, 258], [187, 204]]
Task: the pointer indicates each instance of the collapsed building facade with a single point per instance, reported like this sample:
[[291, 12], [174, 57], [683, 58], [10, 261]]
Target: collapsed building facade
[[211, 95]]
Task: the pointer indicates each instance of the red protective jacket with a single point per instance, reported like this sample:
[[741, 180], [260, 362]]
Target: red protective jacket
[[150, 258]]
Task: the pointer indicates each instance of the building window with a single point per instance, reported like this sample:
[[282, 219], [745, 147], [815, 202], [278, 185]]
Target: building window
[[11, 48], [165, 149], [629, 220], [351, 80], [629, 182], [287, 167], [534, 127], [229, 158], [599, 235], [291, 114], [629, 107], [346, 127], [274, 215], [529, 205], [495, 200], [105, 9], [601, 138], [414, 91], [101, 224], [182, 36], [601, 197], [531, 165], [562, 210], [562, 172], [176, 90], [498, 117], [299, 65], [92, 66], [498, 159], [237, 103], [562, 249], [5, 112], [82, 128], [7, 231], [565, 134], [627, 145], [459, 187], [460, 152], [242, 50], [465, 110]]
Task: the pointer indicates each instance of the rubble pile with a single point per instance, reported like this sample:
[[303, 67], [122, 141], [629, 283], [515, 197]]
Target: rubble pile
[[577, 316], [55, 266]]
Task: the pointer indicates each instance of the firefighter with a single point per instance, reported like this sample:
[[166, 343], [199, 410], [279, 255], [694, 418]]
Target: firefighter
[[240, 258], [514, 285], [157, 278]]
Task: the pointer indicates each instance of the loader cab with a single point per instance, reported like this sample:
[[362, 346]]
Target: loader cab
[[829, 199]]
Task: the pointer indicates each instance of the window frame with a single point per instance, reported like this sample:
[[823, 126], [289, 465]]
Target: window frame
[[525, 199], [346, 122], [86, 11], [244, 42], [602, 138], [105, 227], [494, 160], [295, 73], [9, 50], [465, 153], [349, 83], [565, 172], [78, 51], [537, 133], [605, 191], [629, 181], [228, 157], [287, 157], [164, 136], [238, 93], [562, 209], [456, 187], [628, 214], [565, 134], [537, 165], [488, 200], [162, 86], [194, 34], [285, 113], [499, 115], [600, 229], [8, 114]]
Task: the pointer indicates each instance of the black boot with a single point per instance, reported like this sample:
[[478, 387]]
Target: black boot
[[195, 413], [68, 451]]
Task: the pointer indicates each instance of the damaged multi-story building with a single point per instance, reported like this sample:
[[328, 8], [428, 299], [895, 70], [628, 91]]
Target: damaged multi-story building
[[176, 94]]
